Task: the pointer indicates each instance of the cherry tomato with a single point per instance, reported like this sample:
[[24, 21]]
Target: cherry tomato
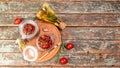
[[17, 20], [69, 46], [63, 60]]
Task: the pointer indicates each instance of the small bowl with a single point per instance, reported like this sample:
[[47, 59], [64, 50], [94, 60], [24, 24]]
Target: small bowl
[[46, 42], [22, 25], [30, 53]]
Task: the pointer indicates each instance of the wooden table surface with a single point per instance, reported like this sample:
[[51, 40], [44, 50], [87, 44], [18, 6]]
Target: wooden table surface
[[92, 25]]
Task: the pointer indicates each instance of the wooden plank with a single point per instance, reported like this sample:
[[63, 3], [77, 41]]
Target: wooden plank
[[15, 59], [62, 7], [88, 67], [81, 46], [11, 59], [63, 67], [81, 19], [55, 0], [24, 67], [75, 56], [8, 46], [9, 18], [91, 19], [100, 33], [95, 46], [9, 32], [97, 67]]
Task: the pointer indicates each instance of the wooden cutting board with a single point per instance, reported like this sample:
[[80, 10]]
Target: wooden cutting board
[[49, 29]]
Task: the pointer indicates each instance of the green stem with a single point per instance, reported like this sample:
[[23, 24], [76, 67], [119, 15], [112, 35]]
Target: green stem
[[62, 48]]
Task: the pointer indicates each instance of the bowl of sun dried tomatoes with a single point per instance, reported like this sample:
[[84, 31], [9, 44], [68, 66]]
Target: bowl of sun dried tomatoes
[[45, 42], [28, 29]]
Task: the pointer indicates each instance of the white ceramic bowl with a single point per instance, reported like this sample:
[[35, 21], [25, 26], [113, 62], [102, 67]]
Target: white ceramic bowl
[[30, 53], [21, 26]]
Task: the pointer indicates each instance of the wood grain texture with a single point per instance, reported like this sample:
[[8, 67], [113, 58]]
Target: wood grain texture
[[56, 0], [100, 33], [81, 46], [61, 67], [101, 53], [80, 19], [9, 32], [96, 46], [7, 46], [61, 7], [97, 67], [57, 67], [93, 27], [16, 59], [11, 59]]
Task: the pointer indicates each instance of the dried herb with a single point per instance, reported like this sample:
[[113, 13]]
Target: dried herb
[[62, 48]]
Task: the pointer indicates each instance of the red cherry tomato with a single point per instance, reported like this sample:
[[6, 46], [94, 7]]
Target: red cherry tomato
[[63, 60], [17, 20], [69, 46]]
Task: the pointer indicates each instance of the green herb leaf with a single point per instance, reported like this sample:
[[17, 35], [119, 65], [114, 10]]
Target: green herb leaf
[[62, 48], [51, 17], [57, 58], [22, 44]]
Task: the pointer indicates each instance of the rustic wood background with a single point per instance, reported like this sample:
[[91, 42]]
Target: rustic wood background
[[92, 25]]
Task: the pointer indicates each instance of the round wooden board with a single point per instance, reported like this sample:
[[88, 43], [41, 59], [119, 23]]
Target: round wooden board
[[52, 30]]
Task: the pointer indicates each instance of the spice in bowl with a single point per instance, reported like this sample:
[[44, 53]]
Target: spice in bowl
[[30, 53]]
